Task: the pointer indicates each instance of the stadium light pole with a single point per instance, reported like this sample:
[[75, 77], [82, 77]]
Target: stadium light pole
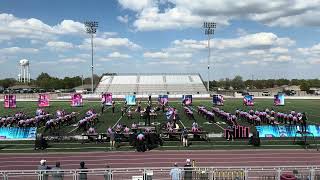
[[208, 30], [91, 28]]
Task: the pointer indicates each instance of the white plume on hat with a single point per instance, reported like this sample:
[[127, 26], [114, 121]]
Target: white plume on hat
[[43, 161], [188, 160]]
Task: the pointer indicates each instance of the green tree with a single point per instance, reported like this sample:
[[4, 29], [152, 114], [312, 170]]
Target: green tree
[[237, 83]]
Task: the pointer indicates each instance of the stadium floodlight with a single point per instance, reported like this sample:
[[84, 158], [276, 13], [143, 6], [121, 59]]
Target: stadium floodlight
[[91, 28], [208, 30]]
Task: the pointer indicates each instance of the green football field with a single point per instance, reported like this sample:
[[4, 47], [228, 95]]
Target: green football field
[[312, 107]]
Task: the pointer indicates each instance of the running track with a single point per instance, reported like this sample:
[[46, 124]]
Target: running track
[[217, 158]]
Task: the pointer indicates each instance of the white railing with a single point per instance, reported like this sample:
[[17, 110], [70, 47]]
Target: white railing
[[163, 173]]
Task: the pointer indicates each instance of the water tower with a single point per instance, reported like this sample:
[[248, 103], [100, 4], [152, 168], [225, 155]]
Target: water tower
[[24, 75]]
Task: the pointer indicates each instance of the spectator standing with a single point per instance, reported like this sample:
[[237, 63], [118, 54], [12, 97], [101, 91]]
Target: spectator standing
[[185, 137], [42, 168], [175, 172], [107, 173], [57, 173], [83, 171], [188, 170]]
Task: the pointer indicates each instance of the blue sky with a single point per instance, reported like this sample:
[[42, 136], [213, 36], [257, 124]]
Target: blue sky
[[266, 39]]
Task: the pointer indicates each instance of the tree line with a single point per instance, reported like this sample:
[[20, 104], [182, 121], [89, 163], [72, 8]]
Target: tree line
[[47, 82], [237, 83]]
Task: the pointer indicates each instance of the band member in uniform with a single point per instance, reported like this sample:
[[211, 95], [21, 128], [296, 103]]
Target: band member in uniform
[[185, 137], [103, 103], [140, 142], [148, 110], [304, 122], [139, 107], [149, 100], [113, 107]]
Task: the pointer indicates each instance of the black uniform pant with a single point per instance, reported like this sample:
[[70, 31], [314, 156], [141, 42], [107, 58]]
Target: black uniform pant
[[147, 122]]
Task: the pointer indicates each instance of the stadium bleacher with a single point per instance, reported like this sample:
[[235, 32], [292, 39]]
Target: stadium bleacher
[[144, 84]]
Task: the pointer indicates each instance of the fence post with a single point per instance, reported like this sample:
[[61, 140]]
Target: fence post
[[246, 173], [312, 174], [279, 173], [212, 174], [5, 176], [144, 174], [75, 175]]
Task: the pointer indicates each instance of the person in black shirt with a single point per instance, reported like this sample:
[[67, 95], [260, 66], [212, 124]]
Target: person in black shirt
[[304, 122], [113, 107], [103, 104], [188, 170], [83, 171], [184, 135], [148, 110], [125, 106], [139, 107], [149, 100]]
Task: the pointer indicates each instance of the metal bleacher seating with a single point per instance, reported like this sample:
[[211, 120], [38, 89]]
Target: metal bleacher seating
[[152, 84]]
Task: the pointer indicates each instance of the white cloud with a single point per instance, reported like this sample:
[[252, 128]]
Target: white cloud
[[257, 42], [256, 52], [72, 60], [167, 55], [176, 18], [69, 27], [169, 62], [17, 50], [47, 62], [136, 5], [156, 55], [315, 61], [107, 34], [33, 41], [123, 19], [110, 43], [284, 58], [118, 55], [188, 45], [173, 14], [59, 45], [279, 50], [249, 62], [104, 59], [263, 48], [12, 27], [315, 49], [182, 55], [261, 40]]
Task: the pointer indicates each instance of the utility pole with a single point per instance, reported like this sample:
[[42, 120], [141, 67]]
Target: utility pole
[[208, 30], [91, 28]]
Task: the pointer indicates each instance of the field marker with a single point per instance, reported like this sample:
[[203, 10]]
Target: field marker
[[73, 130], [182, 124], [120, 117], [155, 123], [220, 122], [219, 126]]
